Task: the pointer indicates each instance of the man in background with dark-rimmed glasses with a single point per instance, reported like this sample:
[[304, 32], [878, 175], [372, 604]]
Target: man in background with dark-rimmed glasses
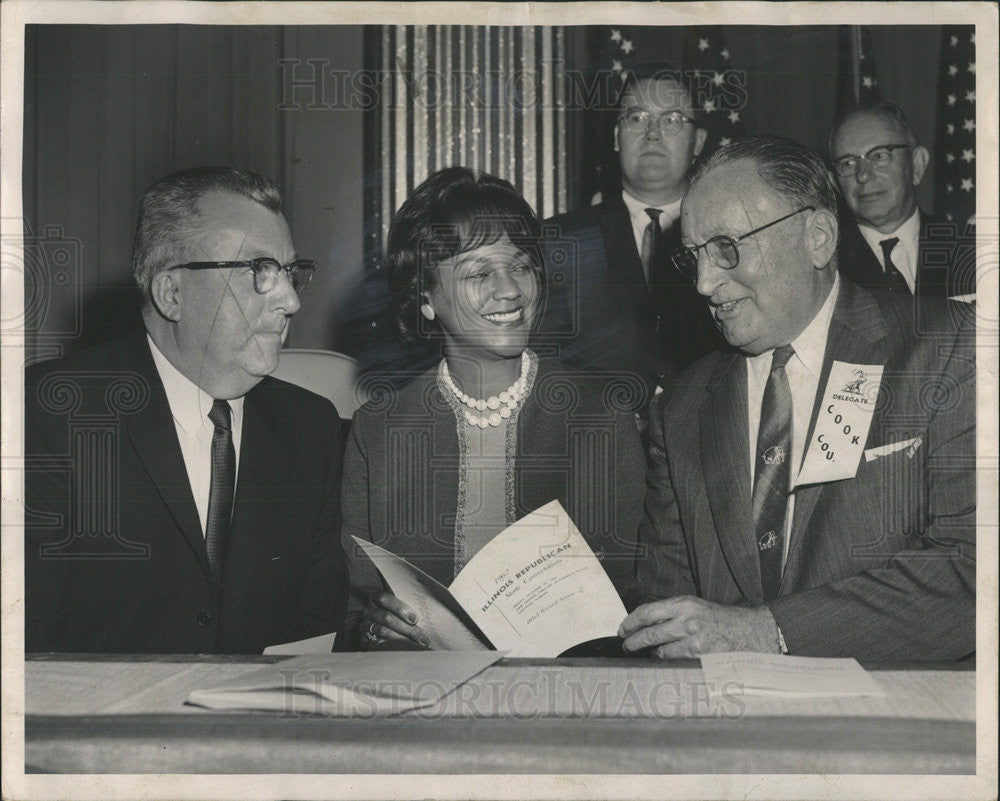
[[179, 500], [887, 241], [631, 314], [808, 495]]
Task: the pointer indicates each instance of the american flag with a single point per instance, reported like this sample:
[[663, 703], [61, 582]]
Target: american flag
[[719, 90], [858, 79], [615, 55], [955, 172]]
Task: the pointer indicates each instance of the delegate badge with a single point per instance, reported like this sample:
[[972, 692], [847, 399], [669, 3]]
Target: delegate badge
[[838, 441]]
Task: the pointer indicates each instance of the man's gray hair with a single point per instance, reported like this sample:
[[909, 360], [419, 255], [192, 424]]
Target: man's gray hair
[[788, 167], [168, 214], [884, 109]]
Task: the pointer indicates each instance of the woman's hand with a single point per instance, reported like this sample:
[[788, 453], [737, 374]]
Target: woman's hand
[[388, 623]]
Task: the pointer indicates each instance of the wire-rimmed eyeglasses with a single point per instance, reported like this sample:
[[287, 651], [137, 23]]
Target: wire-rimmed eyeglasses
[[879, 157], [265, 271], [638, 120], [722, 250]]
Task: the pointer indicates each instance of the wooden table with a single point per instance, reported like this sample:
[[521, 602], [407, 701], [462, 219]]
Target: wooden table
[[89, 714]]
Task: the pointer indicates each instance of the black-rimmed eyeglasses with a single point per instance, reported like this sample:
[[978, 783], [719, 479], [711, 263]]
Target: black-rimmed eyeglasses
[[879, 157], [638, 120], [265, 271], [722, 250]]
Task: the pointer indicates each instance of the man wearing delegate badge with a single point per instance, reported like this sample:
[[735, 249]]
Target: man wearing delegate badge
[[814, 493]]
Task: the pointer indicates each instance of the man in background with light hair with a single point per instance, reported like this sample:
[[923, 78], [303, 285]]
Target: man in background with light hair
[[891, 243]]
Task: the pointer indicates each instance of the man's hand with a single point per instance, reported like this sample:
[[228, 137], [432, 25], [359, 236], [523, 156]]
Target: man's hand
[[686, 626]]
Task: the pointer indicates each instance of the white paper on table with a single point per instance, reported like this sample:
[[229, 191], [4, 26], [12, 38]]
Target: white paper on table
[[537, 589], [356, 684], [439, 615], [323, 644], [744, 673]]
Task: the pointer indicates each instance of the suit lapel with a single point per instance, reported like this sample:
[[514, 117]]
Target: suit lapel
[[725, 458], [931, 279], [622, 256], [857, 335], [260, 457], [154, 438]]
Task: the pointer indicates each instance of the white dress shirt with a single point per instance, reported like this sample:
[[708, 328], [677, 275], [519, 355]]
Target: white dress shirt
[[639, 218], [803, 371], [189, 406], [904, 255]]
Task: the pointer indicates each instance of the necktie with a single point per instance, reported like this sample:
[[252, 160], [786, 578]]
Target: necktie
[[771, 472], [893, 278], [220, 495], [652, 239]]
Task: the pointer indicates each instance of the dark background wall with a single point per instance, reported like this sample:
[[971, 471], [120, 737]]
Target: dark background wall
[[109, 109]]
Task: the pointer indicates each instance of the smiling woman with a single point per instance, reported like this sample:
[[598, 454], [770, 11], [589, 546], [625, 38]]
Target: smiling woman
[[434, 471]]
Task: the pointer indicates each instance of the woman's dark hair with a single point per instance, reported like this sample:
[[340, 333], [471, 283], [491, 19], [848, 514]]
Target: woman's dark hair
[[452, 212]]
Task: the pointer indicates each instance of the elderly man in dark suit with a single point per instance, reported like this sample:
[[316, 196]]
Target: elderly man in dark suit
[[814, 493], [887, 241], [179, 499], [621, 306]]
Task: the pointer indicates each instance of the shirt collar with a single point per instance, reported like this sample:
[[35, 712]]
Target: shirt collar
[[637, 210], [810, 345], [189, 403], [908, 233]]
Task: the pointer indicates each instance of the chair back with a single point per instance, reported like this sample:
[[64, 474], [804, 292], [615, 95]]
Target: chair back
[[325, 372]]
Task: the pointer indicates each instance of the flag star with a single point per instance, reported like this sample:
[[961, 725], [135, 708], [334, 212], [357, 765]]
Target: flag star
[[972, 66], [967, 155], [951, 100], [867, 81], [969, 125], [734, 117], [717, 78], [966, 184], [709, 106], [725, 140], [616, 65], [725, 53], [616, 35], [627, 46], [971, 96], [949, 157], [861, 56], [953, 69], [950, 188], [950, 128], [703, 44], [954, 41]]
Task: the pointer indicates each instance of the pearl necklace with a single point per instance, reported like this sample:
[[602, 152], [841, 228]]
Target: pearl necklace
[[501, 406]]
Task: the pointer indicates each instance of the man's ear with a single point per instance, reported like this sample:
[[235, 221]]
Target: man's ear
[[700, 135], [165, 294], [822, 237], [920, 157]]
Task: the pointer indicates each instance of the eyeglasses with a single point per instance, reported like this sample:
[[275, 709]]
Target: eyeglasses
[[722, 250], [879, 157], [265, 271], [636, 120]]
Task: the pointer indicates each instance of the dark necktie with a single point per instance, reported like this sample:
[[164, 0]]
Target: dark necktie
[[652, 246], [771, 472], [893, 278], [220, 495]]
